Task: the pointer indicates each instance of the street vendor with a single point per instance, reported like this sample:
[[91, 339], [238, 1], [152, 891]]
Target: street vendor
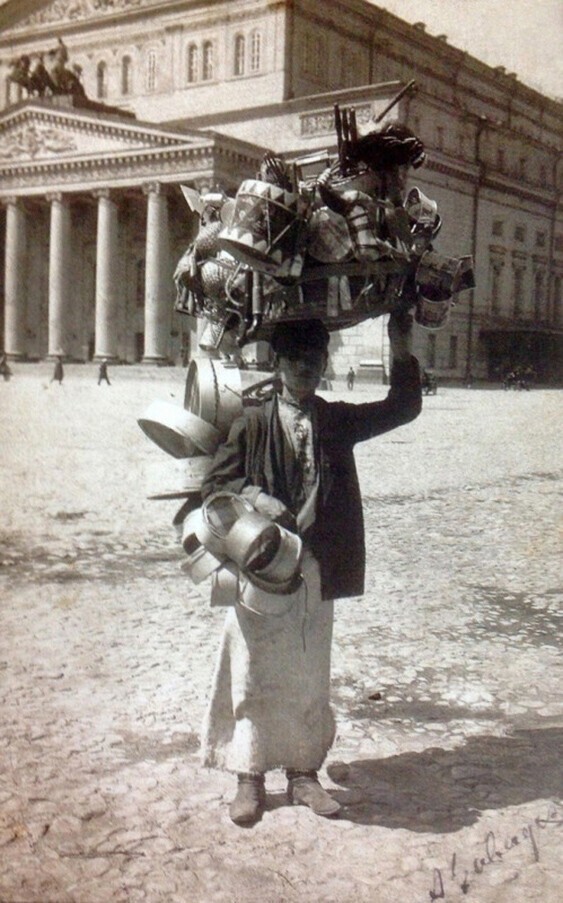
[[292, 458]]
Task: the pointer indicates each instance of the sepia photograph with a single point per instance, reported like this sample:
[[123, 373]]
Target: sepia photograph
[[281, 384]]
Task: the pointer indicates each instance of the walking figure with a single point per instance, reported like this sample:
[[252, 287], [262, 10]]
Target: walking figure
[[350, 378], [103, 372], [5, 368], [58, 372]]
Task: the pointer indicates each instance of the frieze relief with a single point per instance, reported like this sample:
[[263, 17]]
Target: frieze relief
[[78, 10], [31, 141], [323, 122]]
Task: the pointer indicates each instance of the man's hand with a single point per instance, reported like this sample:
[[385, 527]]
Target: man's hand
[[271, 507], [400, 335]]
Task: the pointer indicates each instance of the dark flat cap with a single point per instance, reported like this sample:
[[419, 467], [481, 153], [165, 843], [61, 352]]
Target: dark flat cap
[[294, 334]]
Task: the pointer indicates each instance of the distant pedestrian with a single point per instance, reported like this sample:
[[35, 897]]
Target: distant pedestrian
[[58, 372], [350, 378], [5, 368], [103, 372]]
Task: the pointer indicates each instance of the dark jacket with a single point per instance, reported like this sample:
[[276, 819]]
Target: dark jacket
[[256, 454]]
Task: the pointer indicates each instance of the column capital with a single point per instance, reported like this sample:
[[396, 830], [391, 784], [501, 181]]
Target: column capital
[[12, 200], [153, 188], [102, 193], [203, 185], [55, 196]]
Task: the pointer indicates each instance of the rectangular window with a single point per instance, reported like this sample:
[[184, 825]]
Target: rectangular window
[[519, 233], [540, 239], [255, 51], [239, 54], [192, 64], [151, 70], [498, 228], [208, 61]]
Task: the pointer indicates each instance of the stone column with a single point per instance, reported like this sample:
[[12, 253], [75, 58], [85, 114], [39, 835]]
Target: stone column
[[59, 258], [15, 280], [106, 288], [158, 311]]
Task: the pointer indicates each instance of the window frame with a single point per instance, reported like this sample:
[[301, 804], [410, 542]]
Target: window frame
[[126, 75], [192, 63], [150, 75], [255, 56], [239, 54], [208, 61], [101, 80]]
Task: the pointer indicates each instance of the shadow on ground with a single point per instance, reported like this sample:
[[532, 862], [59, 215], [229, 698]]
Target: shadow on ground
[[441, 791]]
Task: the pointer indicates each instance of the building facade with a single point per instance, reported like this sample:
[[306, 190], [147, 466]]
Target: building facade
[[191, 92]]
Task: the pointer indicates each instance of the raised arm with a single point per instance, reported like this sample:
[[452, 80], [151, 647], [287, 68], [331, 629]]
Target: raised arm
[[359, 422]]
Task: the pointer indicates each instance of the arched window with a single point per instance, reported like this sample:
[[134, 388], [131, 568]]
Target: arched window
[[151, 70], [101, 80], [255, 51], [192, 66], [208, 61], [239, 55], [126, 75]]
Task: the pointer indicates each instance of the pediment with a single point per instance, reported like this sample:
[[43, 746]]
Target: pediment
[[59, 12], [40, 134]]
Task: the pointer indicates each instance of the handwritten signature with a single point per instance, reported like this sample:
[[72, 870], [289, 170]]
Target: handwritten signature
[[494, 850]]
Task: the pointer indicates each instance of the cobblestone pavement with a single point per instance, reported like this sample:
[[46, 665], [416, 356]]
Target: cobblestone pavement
[[446, 675]]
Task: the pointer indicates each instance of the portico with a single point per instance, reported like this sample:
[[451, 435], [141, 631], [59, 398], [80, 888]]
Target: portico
[[95, 221]]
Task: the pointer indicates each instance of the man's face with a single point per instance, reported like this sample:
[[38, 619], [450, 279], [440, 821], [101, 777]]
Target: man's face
[[301, 370]]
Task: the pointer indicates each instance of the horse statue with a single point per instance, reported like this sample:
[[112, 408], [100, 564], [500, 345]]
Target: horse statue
[[47, 74], [19, 71]]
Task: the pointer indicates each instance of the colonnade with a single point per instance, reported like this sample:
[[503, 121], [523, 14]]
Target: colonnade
[[61, 292]]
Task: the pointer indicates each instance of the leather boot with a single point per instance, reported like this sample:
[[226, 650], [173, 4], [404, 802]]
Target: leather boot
[[303, 788], [249, 803]]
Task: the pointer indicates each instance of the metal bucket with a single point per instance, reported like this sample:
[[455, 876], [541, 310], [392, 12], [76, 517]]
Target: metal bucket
[[215, 391], [266, 230]]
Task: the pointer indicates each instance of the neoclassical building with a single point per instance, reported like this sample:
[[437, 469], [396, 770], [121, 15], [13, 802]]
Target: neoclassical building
[[186, 92]]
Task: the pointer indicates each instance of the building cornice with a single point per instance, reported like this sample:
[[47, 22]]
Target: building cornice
[[170, 164], [99, 122]]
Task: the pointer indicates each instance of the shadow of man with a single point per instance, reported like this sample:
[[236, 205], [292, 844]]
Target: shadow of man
[[441, 791]]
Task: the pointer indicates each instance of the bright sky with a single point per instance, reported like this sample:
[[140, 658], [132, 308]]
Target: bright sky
[[524, 36]]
